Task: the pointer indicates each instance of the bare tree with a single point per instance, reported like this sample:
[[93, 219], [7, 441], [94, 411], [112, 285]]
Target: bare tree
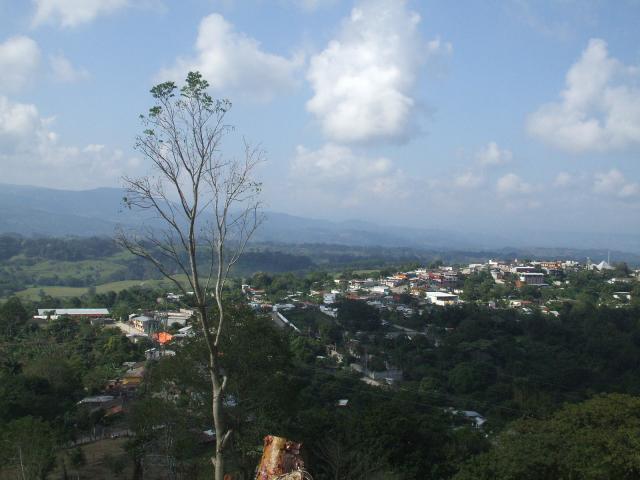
[[208, 207]]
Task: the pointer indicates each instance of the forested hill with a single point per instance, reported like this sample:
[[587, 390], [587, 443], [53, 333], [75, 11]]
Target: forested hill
[[33, 263], [29, 210]]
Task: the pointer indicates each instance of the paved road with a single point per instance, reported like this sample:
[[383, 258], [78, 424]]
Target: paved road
[[276, 319], [408, 331]]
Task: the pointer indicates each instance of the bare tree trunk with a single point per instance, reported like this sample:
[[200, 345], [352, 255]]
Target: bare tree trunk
[[218, 424], [217, 205]]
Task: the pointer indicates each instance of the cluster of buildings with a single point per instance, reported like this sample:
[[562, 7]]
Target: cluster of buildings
[[148, 323]]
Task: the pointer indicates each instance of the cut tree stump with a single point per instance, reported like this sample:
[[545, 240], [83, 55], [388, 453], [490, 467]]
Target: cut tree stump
[[281, 460]]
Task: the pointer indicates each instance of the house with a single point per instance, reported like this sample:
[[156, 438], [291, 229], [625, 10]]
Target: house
[[332, 312], [523, 269], [145, 324], [395, 280], [100, 321], [380, 290], [442, 298], [283, 307], [498, 276], [180, 317], [54, 313], [450, 278], [475, 418], [185, 332], [355, 284], [156, 354], [622, 295], [162, 337], [133, 377], [96, 401], [329, 298], [530, 278]]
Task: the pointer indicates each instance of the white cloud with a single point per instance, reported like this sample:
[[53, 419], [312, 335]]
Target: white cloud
[[337, 174], [363, 81], [19, 61], [234, 62], [64, 71], [599, 108], [468, 180], [438, 47], [493, 155], [563, 179], [614, 183], [312, 5], [511, 184], [71, 13], [30, 152], [490, 155]]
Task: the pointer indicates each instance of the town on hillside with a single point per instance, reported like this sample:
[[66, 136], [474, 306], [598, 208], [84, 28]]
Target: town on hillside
[[350, 321]]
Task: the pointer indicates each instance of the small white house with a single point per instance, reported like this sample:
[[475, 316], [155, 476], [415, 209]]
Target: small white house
[[442, 298], [380, 290]]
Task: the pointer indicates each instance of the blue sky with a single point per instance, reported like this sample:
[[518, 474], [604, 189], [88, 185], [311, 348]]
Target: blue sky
[[514, 114]]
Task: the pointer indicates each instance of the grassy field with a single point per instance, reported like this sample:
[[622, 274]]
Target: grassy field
[[33, 293], [97, 269], [366, 272], [100, 457]]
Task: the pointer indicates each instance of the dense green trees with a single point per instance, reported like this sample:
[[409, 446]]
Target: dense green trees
[[595, 440], [44, 371], [27, 448], [356, 316], [13, 317], [256, 357], [516, 369]]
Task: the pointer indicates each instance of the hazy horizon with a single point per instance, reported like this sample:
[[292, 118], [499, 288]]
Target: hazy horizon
[[489, 118]]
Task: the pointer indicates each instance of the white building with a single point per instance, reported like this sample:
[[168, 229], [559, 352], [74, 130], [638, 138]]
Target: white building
[[442, 298], [329, 298], [380, 290]]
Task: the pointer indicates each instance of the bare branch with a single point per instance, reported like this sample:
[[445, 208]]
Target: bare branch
[[207, 205]]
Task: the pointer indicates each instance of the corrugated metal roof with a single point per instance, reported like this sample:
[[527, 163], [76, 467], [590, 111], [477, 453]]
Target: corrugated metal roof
[[73, 311]]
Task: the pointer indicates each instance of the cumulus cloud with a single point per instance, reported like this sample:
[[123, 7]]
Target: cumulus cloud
[[614, 183], [312, 5], [339, 174], [439, 47], [493, 155], [599, 109], [30, 152], [468, 180], [563, 179], [63, 70], [363, 81], [19, 61], [486, 157], [71, 13], [512, 184], [234, 62]]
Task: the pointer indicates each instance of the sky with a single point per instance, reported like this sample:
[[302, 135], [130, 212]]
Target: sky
[[475, 116]]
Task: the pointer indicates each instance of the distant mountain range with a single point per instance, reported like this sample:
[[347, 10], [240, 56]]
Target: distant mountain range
[[29, 210]]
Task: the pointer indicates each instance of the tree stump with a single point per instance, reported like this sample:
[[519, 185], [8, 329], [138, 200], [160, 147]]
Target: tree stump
[[281, 460]]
